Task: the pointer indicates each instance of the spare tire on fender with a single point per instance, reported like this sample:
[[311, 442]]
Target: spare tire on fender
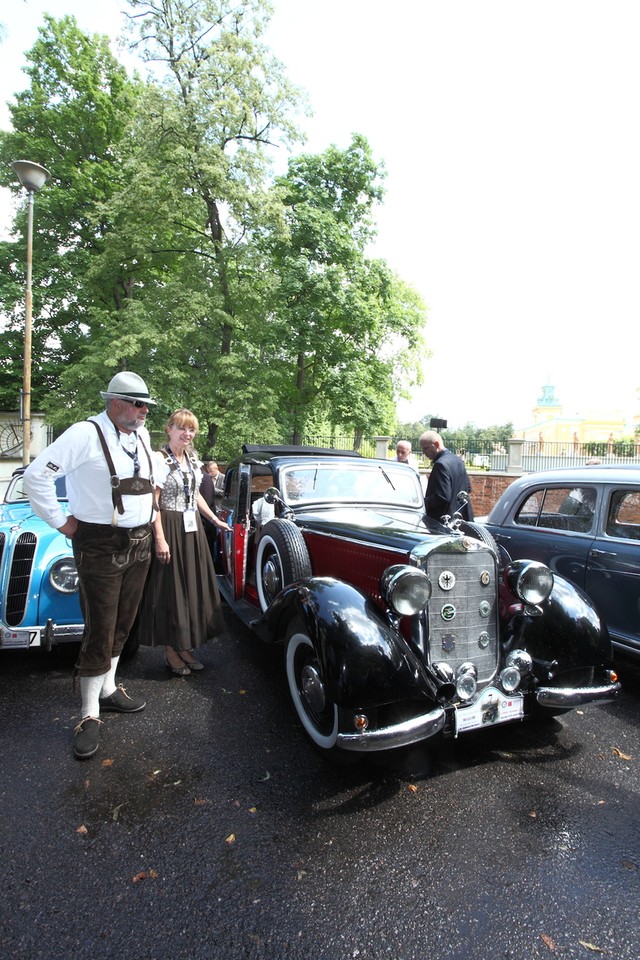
[[282, 558]]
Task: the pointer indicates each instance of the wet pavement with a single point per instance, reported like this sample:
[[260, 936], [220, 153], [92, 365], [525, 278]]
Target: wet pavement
[[208, 827]]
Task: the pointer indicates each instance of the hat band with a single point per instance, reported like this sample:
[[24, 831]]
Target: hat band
[[134, 396]]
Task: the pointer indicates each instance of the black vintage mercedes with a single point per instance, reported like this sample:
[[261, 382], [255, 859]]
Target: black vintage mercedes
[[397, 628]]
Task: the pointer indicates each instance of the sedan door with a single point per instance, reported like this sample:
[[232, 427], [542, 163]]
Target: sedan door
[[613, 569], [555, 525]]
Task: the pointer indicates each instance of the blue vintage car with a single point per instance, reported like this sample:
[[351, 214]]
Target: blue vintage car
[[584, 523], [39, 601]]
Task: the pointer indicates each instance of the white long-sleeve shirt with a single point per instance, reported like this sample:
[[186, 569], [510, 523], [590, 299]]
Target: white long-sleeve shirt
[[77, 455]]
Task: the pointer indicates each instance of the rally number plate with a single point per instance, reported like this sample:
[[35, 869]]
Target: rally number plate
[[19, 639], [491, 707]]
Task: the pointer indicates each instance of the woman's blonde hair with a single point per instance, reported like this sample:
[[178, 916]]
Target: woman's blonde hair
[[182, 418]]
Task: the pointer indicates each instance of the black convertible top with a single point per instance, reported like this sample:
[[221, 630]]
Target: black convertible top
[[274, 450]]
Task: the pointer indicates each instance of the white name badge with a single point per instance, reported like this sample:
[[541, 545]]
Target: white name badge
[[190, 521]]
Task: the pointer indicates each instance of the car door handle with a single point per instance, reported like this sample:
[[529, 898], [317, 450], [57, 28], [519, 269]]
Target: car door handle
[[603, 553]]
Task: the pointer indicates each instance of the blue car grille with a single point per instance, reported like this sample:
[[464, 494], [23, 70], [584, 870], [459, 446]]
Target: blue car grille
[[19, 578], [463, 611]]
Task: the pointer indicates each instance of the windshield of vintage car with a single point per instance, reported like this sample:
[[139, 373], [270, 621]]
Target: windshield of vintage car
[[17, 494], [368, 482]]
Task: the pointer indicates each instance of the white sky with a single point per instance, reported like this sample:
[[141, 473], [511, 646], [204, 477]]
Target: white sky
[[509, 129]]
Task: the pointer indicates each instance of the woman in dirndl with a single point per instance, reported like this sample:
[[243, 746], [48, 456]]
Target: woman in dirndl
[[181, 605]]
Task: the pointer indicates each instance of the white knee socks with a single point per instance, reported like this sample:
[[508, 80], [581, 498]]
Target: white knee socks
[[90, 688], [109, 679]]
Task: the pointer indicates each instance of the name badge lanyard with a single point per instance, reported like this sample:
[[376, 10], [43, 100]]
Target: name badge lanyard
[[132, 455], [189, 487]]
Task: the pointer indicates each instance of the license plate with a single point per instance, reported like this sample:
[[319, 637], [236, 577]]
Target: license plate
[[19, 639], [491, 707]]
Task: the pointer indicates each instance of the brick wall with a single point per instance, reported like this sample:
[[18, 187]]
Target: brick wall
[[486, 488]]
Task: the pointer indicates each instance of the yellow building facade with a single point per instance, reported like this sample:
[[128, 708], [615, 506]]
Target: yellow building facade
[[549, 425]]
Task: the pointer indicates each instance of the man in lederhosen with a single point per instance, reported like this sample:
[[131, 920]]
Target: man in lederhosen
[[107, 464]]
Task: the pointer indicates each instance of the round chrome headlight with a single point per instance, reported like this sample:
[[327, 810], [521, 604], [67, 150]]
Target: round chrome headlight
[[466, 681], [529, 580], [521, 660], [407, 590], [510, 679], [63, 575]]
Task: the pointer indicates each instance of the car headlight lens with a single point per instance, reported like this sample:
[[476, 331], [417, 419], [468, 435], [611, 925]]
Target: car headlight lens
[[529, 580], [466, 681], [406, 589], [63, 575], [510, 679]]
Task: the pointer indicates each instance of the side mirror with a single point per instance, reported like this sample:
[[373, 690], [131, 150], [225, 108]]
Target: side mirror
[[271, 494]]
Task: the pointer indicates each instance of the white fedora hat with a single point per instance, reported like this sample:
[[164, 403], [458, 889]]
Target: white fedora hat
[[127, 386]]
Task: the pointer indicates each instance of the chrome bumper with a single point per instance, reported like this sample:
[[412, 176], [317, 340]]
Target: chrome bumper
[[55, 633], [565, 698], [399, 735]]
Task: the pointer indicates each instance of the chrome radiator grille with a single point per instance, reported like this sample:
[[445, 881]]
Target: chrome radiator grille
[[462, 615], [15, 602]]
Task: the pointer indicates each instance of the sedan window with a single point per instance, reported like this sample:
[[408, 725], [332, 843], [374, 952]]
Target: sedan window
[[623, 518], [559, 508]]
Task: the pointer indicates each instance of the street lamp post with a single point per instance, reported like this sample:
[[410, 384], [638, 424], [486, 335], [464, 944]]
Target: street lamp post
[[32, 177]]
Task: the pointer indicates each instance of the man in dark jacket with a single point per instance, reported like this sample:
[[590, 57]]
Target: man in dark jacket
[[447, 479]]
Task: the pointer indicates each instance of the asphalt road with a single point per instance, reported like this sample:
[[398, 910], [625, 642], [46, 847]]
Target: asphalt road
[[207, 827]]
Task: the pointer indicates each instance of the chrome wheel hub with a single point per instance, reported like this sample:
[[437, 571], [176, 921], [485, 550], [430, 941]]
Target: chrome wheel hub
[[312, 688]]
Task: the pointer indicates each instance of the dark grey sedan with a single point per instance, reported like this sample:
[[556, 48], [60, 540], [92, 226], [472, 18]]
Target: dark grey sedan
[[584, 523]]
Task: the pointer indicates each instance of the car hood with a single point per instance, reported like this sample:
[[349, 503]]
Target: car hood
[[398, 528], [16, 513]]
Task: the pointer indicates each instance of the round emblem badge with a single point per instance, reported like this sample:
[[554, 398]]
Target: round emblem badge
[[447, 580], [485, 578], [485, 608], [484, 640], [448, 612]]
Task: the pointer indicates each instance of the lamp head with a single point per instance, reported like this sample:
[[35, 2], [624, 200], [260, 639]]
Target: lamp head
[[31, 175]]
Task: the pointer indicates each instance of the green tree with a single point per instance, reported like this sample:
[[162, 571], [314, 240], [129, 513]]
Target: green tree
[[198, 197], [71, 119], [344, 331]]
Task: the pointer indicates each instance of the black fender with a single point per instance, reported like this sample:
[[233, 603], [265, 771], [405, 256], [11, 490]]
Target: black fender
[[569, 630], [364, 657]]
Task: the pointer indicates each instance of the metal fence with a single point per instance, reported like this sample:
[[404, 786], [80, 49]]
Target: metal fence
[[366, 446], [536, 455]]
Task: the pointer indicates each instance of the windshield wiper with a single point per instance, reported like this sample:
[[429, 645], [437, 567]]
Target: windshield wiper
[[386, 476]]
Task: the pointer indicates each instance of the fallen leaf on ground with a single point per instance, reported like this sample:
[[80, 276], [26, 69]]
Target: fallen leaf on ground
[[230, 839], [548, 941], [145, 875], [107, 763], [82, 829], [619, 753], [533, 814], [590, 946], [267, 776], [412, 787]]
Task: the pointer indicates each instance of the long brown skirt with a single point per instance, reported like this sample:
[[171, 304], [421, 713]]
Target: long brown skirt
[[181, 603]]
